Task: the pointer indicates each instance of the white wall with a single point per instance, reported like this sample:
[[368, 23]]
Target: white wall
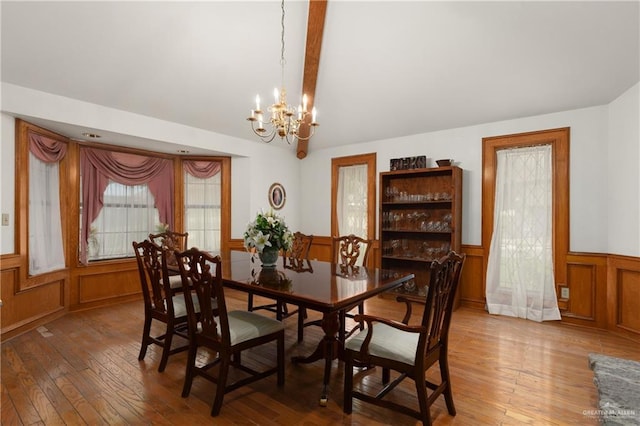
[[7, 188], [623, 189], [588, 171], [251, 179], [22, 101]]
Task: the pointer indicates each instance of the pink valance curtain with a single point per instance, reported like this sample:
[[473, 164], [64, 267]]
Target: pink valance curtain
[[202, 169], [99, 166], [46, 149]]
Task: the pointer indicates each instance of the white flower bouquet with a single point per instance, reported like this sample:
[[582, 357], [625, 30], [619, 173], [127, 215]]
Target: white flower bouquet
[[267, 230]]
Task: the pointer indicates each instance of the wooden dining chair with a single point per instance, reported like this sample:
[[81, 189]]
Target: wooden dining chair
[[160, 302], [228, 333], [408, 349], [296, 258], [352, 252], [349, 252], [298, 255], [171, 241]]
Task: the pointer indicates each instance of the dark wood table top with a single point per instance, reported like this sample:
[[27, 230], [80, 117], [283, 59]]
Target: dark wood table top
[[321, 286]]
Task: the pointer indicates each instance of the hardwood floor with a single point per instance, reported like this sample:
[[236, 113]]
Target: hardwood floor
[[83, 369]]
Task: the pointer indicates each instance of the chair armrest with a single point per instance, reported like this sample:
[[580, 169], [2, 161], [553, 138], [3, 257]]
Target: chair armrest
[[370, 319], [409, 305]]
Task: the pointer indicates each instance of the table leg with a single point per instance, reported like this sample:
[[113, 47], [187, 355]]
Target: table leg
[[328, 348]]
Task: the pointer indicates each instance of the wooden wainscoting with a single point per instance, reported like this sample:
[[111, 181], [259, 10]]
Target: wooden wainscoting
[[472, 280], [604, 290], [104, 283], [587, 283], [623, 295], [26, 307]]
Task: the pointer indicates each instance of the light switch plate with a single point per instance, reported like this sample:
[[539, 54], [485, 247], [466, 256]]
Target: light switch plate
[[564, 292], [5, 219]]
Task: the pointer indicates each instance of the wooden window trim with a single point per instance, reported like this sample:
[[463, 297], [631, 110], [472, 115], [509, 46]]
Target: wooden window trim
[[559, 141], [21, 244], [354, 160], [225, 196]]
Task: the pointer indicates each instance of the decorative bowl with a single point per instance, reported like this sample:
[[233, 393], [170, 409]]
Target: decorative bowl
[[444, 163]]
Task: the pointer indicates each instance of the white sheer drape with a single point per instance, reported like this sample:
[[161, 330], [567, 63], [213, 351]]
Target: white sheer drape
[[202, 210], [128, 215], [352, 200], [520, 281], [46, 251]]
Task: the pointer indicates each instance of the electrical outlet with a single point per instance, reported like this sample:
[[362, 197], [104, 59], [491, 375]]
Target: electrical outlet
[[564, 292], [5, 219]]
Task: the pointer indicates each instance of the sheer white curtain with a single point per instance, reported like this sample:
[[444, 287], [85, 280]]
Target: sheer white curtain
[[520, 281], [128, 215], [352, 200], [202, 211], [46, 251], [351, 203]]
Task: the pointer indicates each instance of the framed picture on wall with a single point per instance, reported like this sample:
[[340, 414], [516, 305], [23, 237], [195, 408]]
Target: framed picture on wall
[[277, 196]]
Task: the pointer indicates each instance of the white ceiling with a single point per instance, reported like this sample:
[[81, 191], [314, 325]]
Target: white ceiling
[[387, 68]]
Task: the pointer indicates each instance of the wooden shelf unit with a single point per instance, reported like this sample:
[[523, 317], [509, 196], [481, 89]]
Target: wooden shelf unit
[[420, 219]]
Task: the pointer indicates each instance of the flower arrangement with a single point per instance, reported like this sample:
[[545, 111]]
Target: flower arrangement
[[267, 230]]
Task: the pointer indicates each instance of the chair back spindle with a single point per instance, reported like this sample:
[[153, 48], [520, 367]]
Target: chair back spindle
[[351, 250], [443, 282], [298, 254], [171, 241], [206, 285], [150, 260]]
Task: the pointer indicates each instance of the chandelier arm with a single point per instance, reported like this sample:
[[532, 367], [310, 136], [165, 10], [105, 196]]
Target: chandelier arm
[[312, 130], [265, 137]]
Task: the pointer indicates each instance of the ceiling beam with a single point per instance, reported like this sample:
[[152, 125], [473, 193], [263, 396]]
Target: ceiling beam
[[315, 28]]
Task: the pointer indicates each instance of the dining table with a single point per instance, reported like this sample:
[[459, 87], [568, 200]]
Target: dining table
[[325, 287]]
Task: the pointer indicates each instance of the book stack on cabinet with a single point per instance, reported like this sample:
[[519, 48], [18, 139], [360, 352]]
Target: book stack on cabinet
[[420, 221]]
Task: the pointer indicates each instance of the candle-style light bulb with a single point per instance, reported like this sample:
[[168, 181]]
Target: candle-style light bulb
[[276, 95], [304, 102], [299, 112], [257, 102], [313, 115]]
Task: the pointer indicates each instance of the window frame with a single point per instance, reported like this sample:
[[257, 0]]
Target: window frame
[[559, 141], [354, 160], [225, 196], [184, 211], [21, 245]]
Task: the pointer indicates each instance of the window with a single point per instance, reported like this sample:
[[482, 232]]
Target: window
[[353, 198], [128, 214], [202, 211], [557, 142], [127, 187], [46, 250], [520, 279]]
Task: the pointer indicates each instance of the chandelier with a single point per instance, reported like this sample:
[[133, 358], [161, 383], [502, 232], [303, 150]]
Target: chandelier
[[283, 119]]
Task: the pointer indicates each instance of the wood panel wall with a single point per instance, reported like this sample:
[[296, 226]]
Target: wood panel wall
[[604, 290]]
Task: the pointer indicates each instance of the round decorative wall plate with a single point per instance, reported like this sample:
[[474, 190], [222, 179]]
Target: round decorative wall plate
[[277, 196]]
